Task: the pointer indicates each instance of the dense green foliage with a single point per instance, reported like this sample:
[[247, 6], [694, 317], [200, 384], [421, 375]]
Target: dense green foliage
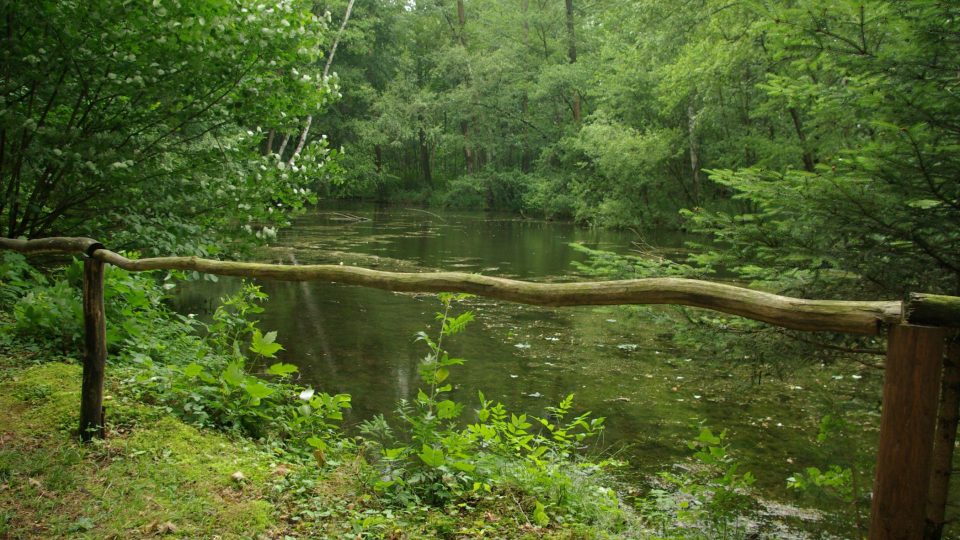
[[432, 455], [225, 378], [814, 139], [143, 120], [438, 462]]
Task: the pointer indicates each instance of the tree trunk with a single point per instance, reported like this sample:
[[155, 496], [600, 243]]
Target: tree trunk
[[944, 443], [572, 55], [270, 136], [3, 148], [462, 20], [525, 158], [468, 155], [692, 118], [425, 159], [326, 72], [808, 161], [283, 145]]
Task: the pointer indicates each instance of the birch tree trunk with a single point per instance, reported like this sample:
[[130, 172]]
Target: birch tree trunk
[[326, 73], [468, 156], [692, 122], [808, 160]]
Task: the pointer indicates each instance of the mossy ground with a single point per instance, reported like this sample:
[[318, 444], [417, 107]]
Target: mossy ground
[[154, 476], [157, 476]]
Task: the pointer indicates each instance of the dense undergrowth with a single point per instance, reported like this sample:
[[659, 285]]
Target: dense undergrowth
[[211, 435]]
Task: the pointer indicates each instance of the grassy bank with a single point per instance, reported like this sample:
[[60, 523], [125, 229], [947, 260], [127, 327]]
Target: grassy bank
[[155, 476]]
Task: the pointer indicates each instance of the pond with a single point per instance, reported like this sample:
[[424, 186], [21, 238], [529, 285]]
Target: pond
[[618, 363]]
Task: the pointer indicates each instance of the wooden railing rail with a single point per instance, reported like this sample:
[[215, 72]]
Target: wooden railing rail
[[857, 317], [906, 461]]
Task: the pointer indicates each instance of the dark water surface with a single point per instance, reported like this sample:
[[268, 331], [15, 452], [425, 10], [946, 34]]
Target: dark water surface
[[618, 363]]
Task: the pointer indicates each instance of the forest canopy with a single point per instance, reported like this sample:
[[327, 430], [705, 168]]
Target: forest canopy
[[144, 120], [817, 140]]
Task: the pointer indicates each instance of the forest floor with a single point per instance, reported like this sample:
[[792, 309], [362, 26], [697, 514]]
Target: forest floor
[[154, 476]]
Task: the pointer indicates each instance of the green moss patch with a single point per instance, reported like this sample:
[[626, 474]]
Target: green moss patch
[[159, 478]]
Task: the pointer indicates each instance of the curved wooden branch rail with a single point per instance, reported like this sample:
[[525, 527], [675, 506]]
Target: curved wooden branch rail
[[837, 316], [812, 315], [54, 244]]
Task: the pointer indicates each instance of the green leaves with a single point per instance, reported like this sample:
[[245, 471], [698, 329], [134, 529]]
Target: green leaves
[[433, 457], [330, 406], [455, 325], [706, 437], [447, 409], [258, 390], [215, 72], [540, 516], [264, 344], [234, 374], [836, 479], [282, 370], [444, 463], [317, 442], [192, 370], [924, 204]]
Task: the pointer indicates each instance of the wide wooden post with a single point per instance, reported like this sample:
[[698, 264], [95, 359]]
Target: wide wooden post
[[945, 442], [911, 389], [94, 352]]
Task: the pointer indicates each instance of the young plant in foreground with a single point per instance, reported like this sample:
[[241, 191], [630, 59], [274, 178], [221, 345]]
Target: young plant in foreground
[[226, 392], [229, 379], [435, 465], [836, 483], [709, 500], [527, 459]]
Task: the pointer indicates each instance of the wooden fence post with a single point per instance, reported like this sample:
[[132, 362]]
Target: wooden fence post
[[911, 389], [94, 352], [945, 442]]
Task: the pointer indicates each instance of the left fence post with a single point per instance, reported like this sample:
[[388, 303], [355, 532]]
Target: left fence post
[[94, 352]]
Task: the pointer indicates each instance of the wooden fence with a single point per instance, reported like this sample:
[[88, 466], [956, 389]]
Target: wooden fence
[[921, 393]]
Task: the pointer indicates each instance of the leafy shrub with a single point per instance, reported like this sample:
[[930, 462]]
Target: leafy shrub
[[835, 483], [53, 313], [16, 277], [610, 265], [710, 499], [213, 386], [487, 190], [550, 196], [436, 460], [163, 359], [50, 308]]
